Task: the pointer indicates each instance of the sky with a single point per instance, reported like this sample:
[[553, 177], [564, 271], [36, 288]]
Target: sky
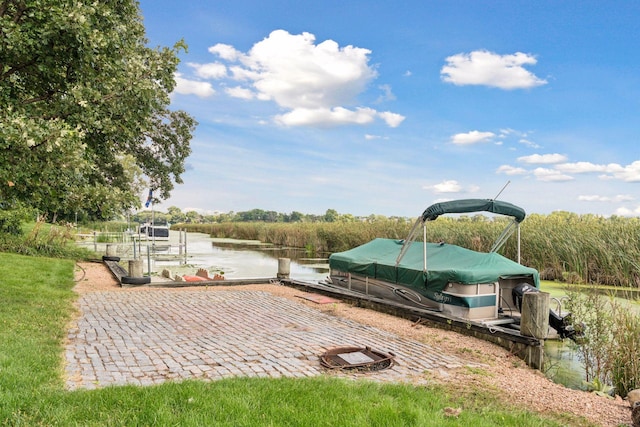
[[384, 108]]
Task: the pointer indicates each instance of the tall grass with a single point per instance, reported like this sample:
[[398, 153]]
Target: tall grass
[[587, 248], [42, 239], [562, 246], [320, 237]]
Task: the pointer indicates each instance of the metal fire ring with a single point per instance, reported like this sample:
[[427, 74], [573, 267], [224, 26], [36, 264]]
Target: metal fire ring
[[357, 358]]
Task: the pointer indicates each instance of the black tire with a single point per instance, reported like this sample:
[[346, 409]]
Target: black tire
[[128, 280], [111, 258]]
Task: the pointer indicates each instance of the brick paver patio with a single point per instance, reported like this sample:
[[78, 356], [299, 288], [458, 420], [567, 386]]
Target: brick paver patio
[[150, 336]]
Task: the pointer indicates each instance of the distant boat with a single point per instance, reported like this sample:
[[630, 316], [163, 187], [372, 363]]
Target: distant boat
[[155, 231]]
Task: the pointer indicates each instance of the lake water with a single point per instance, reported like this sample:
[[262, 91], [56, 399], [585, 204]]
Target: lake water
[[238, 259]]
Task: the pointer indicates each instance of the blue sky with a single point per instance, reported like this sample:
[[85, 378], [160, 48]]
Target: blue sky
[[380, 107]]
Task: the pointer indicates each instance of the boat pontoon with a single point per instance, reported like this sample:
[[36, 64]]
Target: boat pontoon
[[458, 282]]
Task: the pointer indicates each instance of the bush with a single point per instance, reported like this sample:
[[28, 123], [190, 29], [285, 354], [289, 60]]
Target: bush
[[44, 240], [11, 221], [610, 343]]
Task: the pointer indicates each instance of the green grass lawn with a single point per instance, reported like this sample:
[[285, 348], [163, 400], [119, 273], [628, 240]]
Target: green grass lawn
[[36, 304]]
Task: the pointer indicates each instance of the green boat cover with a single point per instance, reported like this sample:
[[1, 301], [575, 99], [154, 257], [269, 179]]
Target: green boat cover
[[445, 263], [473, 205]]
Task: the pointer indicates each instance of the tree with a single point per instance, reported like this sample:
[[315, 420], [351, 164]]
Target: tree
[[176, 215], [295, 216], [84, 106], [192, 217], [331, 215]]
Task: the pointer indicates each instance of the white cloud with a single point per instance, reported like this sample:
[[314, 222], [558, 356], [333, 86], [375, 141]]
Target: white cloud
[[387, 94], [472, 137], [550, 175], [581, 167], [450, 186], [596, 198], [628, 173], [326, 116], [486, 68], [544, 159], [214, 70], [370, 137], [507, 131], [225, 51], [628, 212], [391, 119], [560, 171], [240, 92], [192, 87], [296, 73], [510, 170], [317, 83], [528, 143], [593, 198]]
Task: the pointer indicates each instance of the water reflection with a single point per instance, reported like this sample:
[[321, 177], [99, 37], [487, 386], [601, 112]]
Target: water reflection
[[238, 259], [562, 364]]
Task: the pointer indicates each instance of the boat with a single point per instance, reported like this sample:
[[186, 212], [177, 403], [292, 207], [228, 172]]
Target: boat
[[155, 230], [460, 283]]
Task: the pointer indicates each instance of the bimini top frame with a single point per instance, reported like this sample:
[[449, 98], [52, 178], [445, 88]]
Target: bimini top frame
[[466, 206]]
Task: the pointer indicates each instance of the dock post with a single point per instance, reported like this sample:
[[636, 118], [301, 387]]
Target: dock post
[[284, 268], [535, 315], [148, 260], [112, 250], [135, 268], [535, 323]]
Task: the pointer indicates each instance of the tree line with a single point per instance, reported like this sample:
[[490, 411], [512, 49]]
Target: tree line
[[174, 215]]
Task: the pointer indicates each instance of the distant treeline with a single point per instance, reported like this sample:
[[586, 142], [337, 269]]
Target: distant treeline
[[562, 246], [174, 215]]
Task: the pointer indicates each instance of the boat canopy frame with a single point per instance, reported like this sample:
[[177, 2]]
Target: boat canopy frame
[[467, 206]]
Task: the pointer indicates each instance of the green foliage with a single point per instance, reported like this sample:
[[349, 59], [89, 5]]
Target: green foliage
[[320, 237], [84, 106], [592, 316], [610, 342], [11, 220], [45, 240]]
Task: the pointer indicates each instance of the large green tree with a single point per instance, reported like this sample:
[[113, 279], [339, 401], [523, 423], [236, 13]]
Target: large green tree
[[84, 107]]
